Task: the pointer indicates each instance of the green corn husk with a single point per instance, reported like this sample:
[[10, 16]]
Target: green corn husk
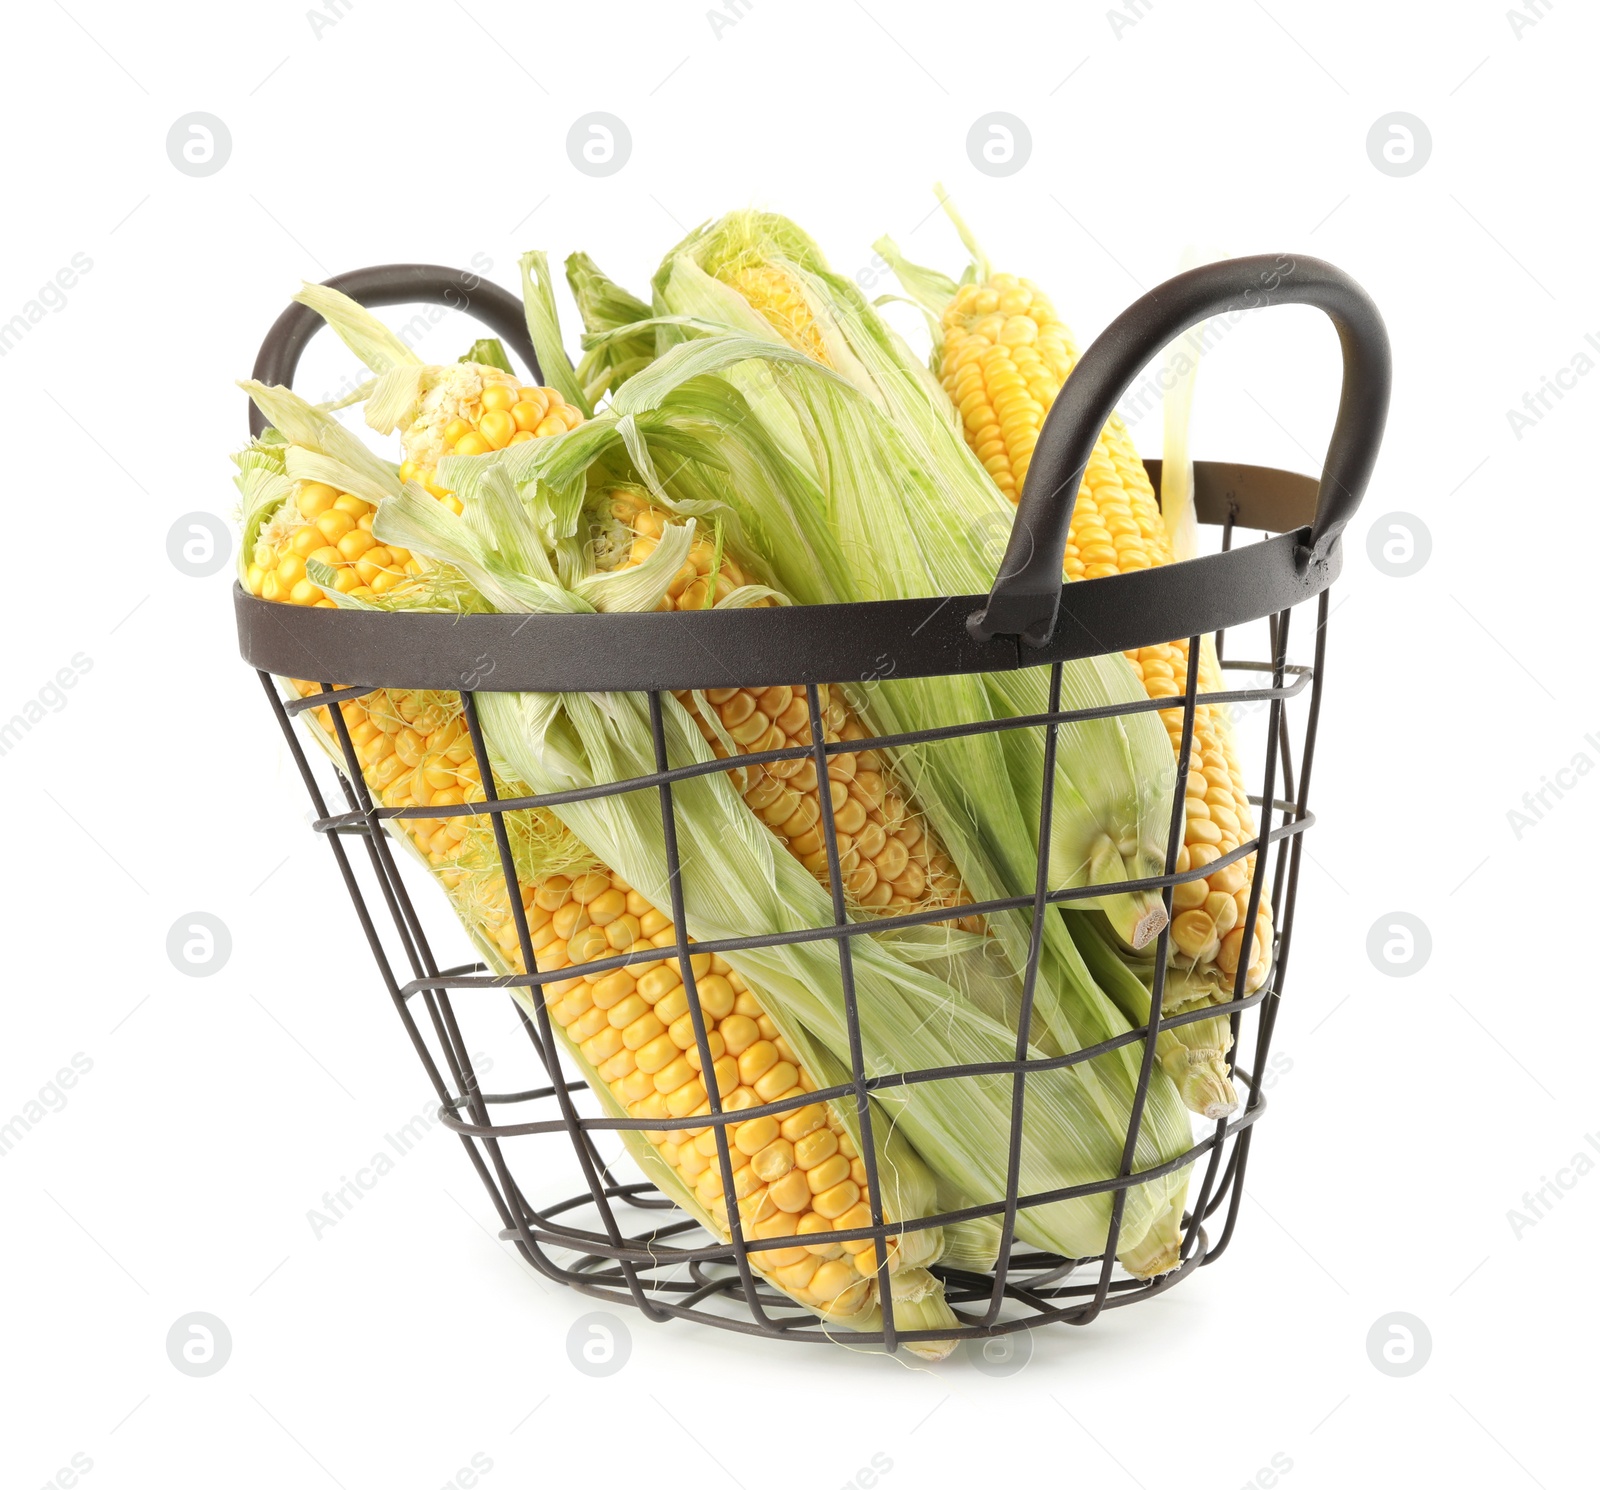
[[489, 351], [1194, 1055], [1114, 777], [609, 360], [542, 327]]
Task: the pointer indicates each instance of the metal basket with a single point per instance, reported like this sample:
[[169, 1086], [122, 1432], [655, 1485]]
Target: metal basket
[[624, 1241]]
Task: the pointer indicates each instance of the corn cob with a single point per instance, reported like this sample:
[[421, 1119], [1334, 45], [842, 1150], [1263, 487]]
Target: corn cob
[[471, 409], [799, 1174], [889, 860], [1003, 358], [1148, 1251], [760, 275], [321, 523], [778, 296]]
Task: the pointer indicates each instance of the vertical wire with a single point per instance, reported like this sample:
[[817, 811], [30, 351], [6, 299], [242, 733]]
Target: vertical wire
[[1158, 990], [1286, 926], [1030, 982], [702, 1042], [1269, 789], [1202, 1205], [427, 967], [1286, 755], [1268, 1007], [1286, 764], [1313, 715], [1277, 740], [847, 979]]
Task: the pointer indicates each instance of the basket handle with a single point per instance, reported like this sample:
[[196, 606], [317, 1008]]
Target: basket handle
[[394, 284], [1027, 592]]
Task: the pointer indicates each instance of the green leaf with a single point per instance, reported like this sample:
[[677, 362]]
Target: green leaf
[[488, 352], [392, 404], [617, 343], [373, 342], [927, 288], [544, 326], [306, 425]]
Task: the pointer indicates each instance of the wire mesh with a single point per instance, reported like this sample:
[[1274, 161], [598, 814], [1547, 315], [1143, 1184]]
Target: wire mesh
[[624, 1241]]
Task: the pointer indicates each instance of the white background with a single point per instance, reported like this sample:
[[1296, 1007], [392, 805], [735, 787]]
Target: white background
[[404, 1341]]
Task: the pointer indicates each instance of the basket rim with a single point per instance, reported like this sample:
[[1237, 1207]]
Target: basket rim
[[863, 641]]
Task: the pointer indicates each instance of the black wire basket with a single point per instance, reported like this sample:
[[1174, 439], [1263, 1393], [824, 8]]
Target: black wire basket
[[622, 1240]]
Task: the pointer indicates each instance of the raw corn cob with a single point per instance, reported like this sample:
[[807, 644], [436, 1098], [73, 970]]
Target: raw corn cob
[[630, 1028], [1149, 1243], [471, 409], [323, 524], [889, 860], [466, 409], [795, 1175], [1002, 357], [906, 530]]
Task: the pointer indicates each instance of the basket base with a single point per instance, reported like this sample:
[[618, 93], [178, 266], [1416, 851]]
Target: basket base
[[677, 1270]]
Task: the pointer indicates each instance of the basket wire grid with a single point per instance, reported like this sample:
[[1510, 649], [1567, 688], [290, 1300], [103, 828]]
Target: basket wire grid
[[662, 1262]]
